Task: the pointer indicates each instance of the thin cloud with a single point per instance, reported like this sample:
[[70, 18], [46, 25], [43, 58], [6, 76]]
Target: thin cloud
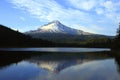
[[83, 4], [99, 11], [22, 18]]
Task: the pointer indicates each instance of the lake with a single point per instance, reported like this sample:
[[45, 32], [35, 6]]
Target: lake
[[89, 64]]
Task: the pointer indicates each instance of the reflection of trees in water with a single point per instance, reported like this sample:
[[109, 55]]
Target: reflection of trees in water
[[117, 59], [69, 59], [8, 58], [116, 55]]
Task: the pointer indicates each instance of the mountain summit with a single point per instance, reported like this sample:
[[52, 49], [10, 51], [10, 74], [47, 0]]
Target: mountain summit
[[58, 27]]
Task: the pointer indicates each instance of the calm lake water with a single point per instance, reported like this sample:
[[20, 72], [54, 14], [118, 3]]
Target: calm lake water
[[77, 65], [57, 49]]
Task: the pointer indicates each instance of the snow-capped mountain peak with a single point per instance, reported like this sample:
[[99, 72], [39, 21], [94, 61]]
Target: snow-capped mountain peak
[[53, 26], [58, 27]]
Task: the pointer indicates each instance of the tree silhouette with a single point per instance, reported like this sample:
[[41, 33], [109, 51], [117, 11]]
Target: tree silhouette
[[117, 39], [118, 32]]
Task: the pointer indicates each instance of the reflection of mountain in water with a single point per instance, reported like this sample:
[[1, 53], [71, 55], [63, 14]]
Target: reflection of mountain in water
[[57, 63], [59, 66]]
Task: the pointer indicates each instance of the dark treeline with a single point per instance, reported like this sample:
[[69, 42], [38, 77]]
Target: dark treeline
[[11, 38], [93, 42]]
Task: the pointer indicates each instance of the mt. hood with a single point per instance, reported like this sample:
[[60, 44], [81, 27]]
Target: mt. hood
[[59, 33], [59, 28]]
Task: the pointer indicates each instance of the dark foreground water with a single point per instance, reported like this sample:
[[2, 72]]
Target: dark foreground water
[[23, 65]]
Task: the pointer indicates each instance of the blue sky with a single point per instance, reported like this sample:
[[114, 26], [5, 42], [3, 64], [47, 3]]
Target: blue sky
[[97, 16]]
